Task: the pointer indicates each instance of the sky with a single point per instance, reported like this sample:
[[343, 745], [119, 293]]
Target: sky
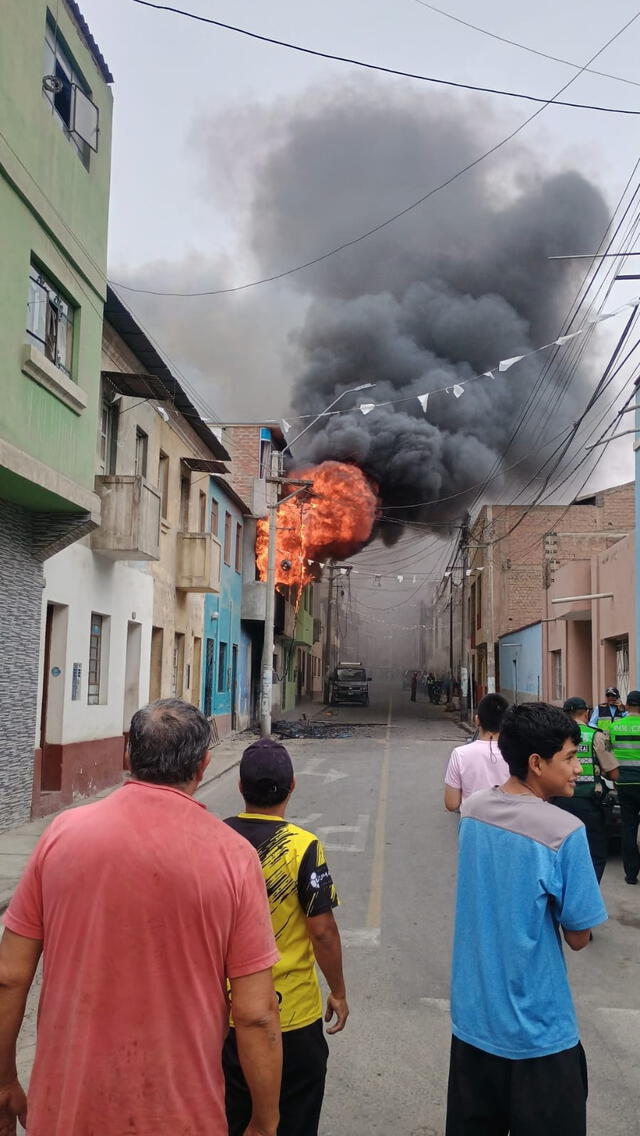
[[198, 110]]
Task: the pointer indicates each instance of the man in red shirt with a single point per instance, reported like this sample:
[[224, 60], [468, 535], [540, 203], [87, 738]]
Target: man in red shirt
[[143, 905]]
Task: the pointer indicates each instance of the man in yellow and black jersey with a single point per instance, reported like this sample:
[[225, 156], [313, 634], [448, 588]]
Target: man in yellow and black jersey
[[301, 896]]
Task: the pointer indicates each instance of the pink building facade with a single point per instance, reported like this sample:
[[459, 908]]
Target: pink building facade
[[589, 644]]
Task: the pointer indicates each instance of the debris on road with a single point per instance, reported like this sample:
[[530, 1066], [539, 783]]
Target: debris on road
[[307, 728]]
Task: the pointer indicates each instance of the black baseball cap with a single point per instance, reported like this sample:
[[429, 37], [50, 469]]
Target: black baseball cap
[[266, 766], [633, 698], [612, 691], [572, 705]]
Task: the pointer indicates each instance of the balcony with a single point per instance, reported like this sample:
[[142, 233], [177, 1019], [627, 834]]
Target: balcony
[[198, 558], [130, 520]]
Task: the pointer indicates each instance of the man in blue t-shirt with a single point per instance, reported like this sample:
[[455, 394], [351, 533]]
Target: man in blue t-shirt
[[525, 877]]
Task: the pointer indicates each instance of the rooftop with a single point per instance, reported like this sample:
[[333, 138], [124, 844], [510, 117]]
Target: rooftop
[[85, 31]]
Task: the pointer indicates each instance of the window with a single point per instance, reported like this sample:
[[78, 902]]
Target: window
[[185, 493], [68, 93], [203, 511], [222, 667], [96, 642], [50, 320], [622, 667], [163, 483], [265, 458], [556, 676], [479, 602], [142, 446], [238, 548], [178, 666], [214, 517], [227, 538], [108, 436]]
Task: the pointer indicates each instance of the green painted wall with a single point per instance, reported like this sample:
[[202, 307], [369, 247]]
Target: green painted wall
[[54, 209]]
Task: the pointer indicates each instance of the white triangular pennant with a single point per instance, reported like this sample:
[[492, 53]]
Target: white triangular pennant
[[322, 565], [458, 390], [367, 407], [506, 363], [286, 426], [423, 400], [400, 579], [562, 339], [488, 375], [310, 562]]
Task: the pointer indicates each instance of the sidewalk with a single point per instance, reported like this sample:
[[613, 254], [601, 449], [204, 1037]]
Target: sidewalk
[[17, 844]]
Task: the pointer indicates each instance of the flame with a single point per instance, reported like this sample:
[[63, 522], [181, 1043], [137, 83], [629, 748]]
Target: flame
[[332, 523]]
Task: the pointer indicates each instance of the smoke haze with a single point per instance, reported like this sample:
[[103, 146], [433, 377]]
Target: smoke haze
[[438, 296]]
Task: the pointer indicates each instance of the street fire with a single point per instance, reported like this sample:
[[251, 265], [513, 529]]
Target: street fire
[[331, 521]]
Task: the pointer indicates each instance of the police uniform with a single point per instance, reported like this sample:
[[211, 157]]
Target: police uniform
[[625, 746], [587, 800]]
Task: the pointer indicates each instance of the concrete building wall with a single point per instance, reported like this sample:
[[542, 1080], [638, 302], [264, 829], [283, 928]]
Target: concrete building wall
[[585, 644], [21, 594], [85, 742], [54, 211]]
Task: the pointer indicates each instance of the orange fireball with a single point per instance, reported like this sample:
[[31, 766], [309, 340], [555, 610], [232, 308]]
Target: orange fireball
[[332, 522]]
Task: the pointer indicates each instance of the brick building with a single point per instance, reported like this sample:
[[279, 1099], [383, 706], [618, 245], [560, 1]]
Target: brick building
[[515, 555]]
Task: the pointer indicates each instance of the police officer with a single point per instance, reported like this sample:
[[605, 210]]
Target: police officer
[[606, 712], [625, 745], [587, 800]]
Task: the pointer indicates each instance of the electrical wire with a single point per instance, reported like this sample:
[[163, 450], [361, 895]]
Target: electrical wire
[[377, 66], [523, 46], [402, 212]]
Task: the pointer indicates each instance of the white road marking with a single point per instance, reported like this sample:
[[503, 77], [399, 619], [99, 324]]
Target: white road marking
[[307, 822], [360, 937], [312, 769], [358, 842]]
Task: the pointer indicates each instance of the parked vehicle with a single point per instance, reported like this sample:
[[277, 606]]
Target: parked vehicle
[[349, 683]]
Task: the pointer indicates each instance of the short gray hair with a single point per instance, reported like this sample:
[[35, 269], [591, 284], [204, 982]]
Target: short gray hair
[[167, 741]]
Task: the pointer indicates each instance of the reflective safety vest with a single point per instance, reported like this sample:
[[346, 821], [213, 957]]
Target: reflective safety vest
[[625, 745], [589, 783], [605, 721]]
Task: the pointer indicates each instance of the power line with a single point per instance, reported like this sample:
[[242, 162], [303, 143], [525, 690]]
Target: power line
[[523, 46], [377, 66], [396, 216]]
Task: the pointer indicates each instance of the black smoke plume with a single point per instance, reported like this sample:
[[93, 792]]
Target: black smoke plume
[[435, 298]]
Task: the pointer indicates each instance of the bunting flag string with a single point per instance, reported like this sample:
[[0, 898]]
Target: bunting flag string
[[504, 365]]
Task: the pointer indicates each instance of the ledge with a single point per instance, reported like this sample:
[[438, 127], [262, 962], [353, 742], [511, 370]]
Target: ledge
[[37, 367]]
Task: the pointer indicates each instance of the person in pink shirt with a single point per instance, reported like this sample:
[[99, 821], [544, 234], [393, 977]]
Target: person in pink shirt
[[143, 906], [478, 764]]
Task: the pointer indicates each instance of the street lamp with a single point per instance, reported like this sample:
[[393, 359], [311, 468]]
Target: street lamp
[[352, 390]]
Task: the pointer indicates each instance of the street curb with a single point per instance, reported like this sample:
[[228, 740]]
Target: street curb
[[466, 728]]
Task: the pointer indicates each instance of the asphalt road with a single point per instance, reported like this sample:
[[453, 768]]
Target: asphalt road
[[376, 801]]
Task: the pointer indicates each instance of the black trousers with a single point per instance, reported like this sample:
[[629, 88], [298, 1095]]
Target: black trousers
[[629, 797], [492, 1096], [591, 813], [304, 1068]]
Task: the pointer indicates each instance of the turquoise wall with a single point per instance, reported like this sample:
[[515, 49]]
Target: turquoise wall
[[222, 619]]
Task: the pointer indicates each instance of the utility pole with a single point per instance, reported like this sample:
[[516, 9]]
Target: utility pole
[[329, 633], [491, 631], [266, 690], [464, 670], [451, 634]]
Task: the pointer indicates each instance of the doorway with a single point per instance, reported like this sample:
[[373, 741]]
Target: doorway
[[234, 687], [197, 670], [209, 678], [52, 702], [131, 674]]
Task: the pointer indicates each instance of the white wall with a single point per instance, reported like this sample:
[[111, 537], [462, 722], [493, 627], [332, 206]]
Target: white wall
[[86, 582]]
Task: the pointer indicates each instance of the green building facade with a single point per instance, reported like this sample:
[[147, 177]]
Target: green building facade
[[55, 148]]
